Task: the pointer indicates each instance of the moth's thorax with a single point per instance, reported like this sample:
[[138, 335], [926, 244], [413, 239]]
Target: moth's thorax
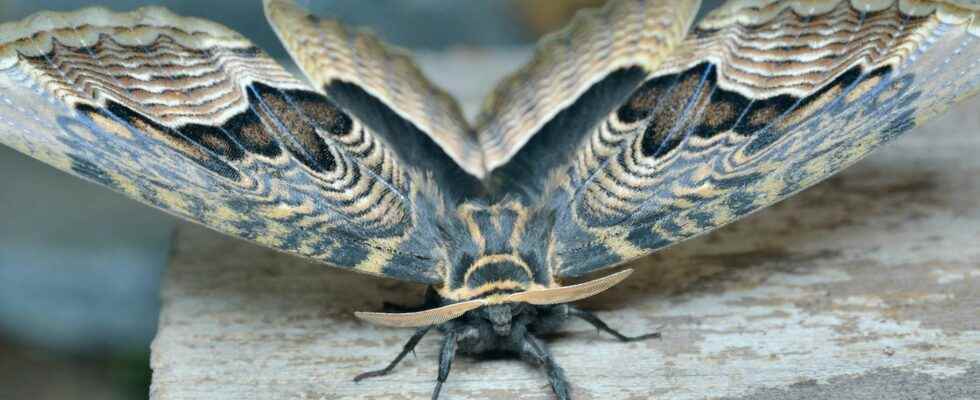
[[503, 253]]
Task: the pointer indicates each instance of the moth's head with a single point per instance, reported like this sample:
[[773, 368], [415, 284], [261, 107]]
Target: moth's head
[[498, 316], [498, 310]]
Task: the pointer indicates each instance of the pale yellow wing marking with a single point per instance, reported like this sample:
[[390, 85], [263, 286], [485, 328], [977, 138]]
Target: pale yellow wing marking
[[328, 53], [568, 62]]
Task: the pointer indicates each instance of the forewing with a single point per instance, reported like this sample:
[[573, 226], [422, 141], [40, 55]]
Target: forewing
[[625, 34], [190, 117], [764, 99], [339, 60]]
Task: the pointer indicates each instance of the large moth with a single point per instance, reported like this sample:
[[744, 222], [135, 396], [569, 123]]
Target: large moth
[[632, 129]]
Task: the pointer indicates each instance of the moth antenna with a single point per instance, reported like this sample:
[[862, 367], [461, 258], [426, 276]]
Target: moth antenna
[[434, 316], [567, 294]]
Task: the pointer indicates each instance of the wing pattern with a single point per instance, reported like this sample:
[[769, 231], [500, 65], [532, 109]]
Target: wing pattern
[[621, 137], [567, 63], [333, 56], [763, 100], [189, 117]]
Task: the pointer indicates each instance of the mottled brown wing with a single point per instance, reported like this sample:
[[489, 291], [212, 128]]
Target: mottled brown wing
[[624, 34], [190, 117], [763, 99], [347, 64]]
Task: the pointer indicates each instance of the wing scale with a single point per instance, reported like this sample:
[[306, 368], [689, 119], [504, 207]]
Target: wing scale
[[335, 57], [636, 138], [190, 117], [761, 101], [567, 63]]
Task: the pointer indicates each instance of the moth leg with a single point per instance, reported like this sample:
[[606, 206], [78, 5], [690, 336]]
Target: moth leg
[[600, 325], [409, 346], [446, 356], [535, 352]]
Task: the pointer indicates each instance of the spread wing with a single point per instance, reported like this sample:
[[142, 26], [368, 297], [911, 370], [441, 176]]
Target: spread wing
[[625, 35], [763, 99], [190, 117], [348, 64]]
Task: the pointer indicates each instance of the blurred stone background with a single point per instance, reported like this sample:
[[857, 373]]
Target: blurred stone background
[[80, 266]]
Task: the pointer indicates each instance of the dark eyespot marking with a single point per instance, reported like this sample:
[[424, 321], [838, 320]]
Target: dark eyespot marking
[[763, 112], [665, 95], [722, 112], [279, 111], [140, 125], [669, 101], [672, 110], [214, 139], [247, 129], [770, 131], [644, 99], [325, 114]]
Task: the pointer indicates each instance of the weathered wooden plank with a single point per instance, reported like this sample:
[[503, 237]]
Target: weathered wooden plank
[[866, 286]]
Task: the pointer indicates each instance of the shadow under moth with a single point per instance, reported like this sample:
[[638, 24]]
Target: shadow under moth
[[632, 129]]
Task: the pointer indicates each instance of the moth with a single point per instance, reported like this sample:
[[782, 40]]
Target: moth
[[630, 130]]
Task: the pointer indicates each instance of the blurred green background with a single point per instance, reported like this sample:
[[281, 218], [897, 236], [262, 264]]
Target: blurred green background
[[80, 266]]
